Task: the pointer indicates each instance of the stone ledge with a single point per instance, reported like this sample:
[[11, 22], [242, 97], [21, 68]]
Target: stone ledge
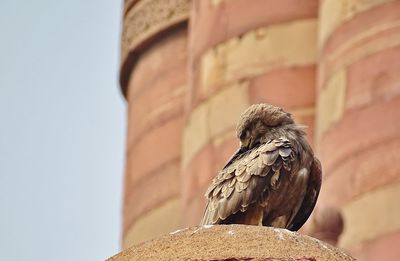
[[232, 242]]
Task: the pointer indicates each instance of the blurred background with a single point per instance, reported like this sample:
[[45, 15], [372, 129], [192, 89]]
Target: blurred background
[[62, 130], [190, 68], [186, 70]]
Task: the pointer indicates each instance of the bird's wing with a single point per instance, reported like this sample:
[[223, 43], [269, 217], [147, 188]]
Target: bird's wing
[[310, 199], [246, 180]]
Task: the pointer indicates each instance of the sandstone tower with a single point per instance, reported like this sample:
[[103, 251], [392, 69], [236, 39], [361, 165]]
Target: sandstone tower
[[190, 67]]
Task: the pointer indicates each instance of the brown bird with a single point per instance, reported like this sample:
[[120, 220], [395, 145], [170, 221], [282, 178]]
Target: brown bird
[[272, 180]]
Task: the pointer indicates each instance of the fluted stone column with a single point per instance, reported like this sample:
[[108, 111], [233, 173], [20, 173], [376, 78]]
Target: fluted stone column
[[358, 126], [153, 80], [242, 52]]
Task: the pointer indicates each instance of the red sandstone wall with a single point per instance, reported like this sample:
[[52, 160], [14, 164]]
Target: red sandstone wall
[[358, 122], [333, 63], [155, 113], [155, 62], [240, 53]]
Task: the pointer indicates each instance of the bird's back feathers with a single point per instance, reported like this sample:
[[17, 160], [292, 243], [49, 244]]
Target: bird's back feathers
[[246, 185]]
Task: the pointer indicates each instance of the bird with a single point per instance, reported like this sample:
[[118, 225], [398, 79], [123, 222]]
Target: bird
[[273, 179]]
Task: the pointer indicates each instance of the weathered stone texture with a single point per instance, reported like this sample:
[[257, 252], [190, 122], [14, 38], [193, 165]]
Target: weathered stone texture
[[144, 20], [292, 87], [233, 242], [382, 209], [155, 94], [385, 247], [213, 24], [158, 220], [358, 131]]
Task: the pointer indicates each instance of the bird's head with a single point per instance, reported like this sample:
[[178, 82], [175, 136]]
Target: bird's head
[[257, 120], [255, 123]]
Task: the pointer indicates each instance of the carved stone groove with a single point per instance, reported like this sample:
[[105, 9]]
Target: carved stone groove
[[148, 17]]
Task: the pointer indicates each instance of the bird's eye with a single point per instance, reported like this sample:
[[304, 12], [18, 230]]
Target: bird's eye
[[245, 135]]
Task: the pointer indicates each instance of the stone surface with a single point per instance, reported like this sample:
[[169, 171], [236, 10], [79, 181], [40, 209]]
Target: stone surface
[[212, 24], [202, 168], [143, 158], [336, 12], [373, 78], [236, 58], [145, 21], [356, 25], [185, 95], [326, 223], [288, 87], [362, 172], [381, 206], [160, 219], [366, 121], [233, 242], [234, 63], [330, 103], [151, 191], [155, 94], [384, 247], [357, 121], [365, 34], [212, 118]]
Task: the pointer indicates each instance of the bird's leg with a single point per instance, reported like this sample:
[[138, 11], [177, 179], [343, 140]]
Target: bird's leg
[[280, 222]]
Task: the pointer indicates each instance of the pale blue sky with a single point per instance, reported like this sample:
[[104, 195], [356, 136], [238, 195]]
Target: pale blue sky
[[62, 129]]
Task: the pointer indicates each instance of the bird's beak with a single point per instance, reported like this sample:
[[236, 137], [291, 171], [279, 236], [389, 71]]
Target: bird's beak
[[238, 153], [244, 144]]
